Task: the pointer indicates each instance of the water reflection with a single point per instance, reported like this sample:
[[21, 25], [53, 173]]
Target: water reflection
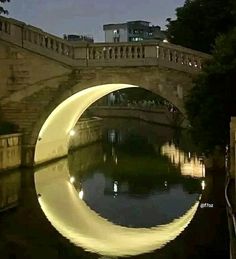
[[70, 215], [10, 183], [190, 164], [123, 196]]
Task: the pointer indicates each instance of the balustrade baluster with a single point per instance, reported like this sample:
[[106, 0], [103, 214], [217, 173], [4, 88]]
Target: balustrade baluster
[[183, 59], [121, 52], [163, 53], [62, 48], [53, 45], [59, 47], [71, 52], [49, 43], [43, 41], [170, 54], [130, 51], [142, 52], [36, 40], [104, 53], [29, 36], [135, 52], [110, 53], [115, 52], [190, 61], [94, 53], [24, 34], [118, 52], [138, 52], [176, 57]]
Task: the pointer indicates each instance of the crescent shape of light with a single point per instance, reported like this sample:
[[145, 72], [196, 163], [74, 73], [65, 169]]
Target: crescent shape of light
[[82, 226], [54, 135]]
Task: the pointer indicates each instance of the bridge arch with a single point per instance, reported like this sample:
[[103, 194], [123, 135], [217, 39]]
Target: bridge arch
[[52, 132], [53, 137]]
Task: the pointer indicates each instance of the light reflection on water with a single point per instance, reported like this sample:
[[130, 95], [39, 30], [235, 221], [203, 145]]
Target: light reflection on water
[[100, 200], [82, 226]]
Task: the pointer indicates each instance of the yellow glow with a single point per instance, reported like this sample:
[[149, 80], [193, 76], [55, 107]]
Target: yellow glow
[[64, 117], [189, 165], [203, 184], [72, 132], [81, 194], [72, 179], [69, 214]]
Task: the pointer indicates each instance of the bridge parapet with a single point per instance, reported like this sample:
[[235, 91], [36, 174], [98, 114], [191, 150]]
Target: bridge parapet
[[76, 54]]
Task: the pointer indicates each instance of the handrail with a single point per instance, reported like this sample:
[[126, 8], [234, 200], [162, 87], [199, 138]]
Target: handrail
[[147, 53]]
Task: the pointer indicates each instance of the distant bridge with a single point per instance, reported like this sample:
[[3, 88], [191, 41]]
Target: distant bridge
[[47, 82]]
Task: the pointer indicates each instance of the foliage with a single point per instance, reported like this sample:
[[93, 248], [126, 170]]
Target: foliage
[[2, 10], [199, 22], [212, 101]]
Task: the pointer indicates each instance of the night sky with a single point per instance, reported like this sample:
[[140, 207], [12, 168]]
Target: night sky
[[88, 16]]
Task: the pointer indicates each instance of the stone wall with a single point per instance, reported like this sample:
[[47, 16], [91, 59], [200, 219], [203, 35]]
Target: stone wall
[[86, 131], [10, 184], [10, 151], [154, 115]]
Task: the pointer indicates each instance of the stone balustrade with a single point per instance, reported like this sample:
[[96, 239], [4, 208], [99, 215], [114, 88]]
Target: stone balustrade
[[78, 54], [10, 151]]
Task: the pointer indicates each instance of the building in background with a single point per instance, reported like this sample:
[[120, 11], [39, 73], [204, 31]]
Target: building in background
[[76, 37], [132, 31]]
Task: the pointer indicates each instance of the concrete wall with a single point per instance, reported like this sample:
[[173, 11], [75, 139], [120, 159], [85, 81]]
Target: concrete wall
[[10, 151], [86, 131]]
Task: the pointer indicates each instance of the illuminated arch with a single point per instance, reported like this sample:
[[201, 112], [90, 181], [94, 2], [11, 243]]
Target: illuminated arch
[[53, 138]]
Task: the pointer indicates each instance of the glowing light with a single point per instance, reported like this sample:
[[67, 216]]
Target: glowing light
[[81, 194], [189, 164], [203, 184], [165, 183], [72, 132], [70, 215], [115, 187], [72, 179], [55, 132], [104, 158], [166, 41]]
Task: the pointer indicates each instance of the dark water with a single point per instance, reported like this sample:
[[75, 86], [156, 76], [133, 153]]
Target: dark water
[[132, 180], [139, 176]]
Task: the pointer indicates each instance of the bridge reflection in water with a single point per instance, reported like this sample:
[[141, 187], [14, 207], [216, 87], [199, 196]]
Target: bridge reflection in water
[[64, 195], [70, 215]]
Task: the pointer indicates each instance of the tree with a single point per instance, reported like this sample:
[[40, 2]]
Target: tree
[[2, 10], [212, 100], [199, 22]]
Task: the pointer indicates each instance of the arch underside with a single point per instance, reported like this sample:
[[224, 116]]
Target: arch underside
[[53, 138]]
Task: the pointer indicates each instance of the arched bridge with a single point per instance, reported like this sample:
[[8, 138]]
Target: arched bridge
[[47, 82]]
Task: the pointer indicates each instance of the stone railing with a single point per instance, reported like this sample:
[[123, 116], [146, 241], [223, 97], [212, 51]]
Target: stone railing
[[10, 151], [86, 131], [77, 54]]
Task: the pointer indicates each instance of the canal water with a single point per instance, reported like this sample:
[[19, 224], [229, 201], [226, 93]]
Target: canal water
[[141, 192]]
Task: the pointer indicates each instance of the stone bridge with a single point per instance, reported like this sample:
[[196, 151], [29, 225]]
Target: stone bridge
[[47, 82]]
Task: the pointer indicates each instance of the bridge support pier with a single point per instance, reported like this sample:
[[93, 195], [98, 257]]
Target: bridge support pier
[[27, 157]]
